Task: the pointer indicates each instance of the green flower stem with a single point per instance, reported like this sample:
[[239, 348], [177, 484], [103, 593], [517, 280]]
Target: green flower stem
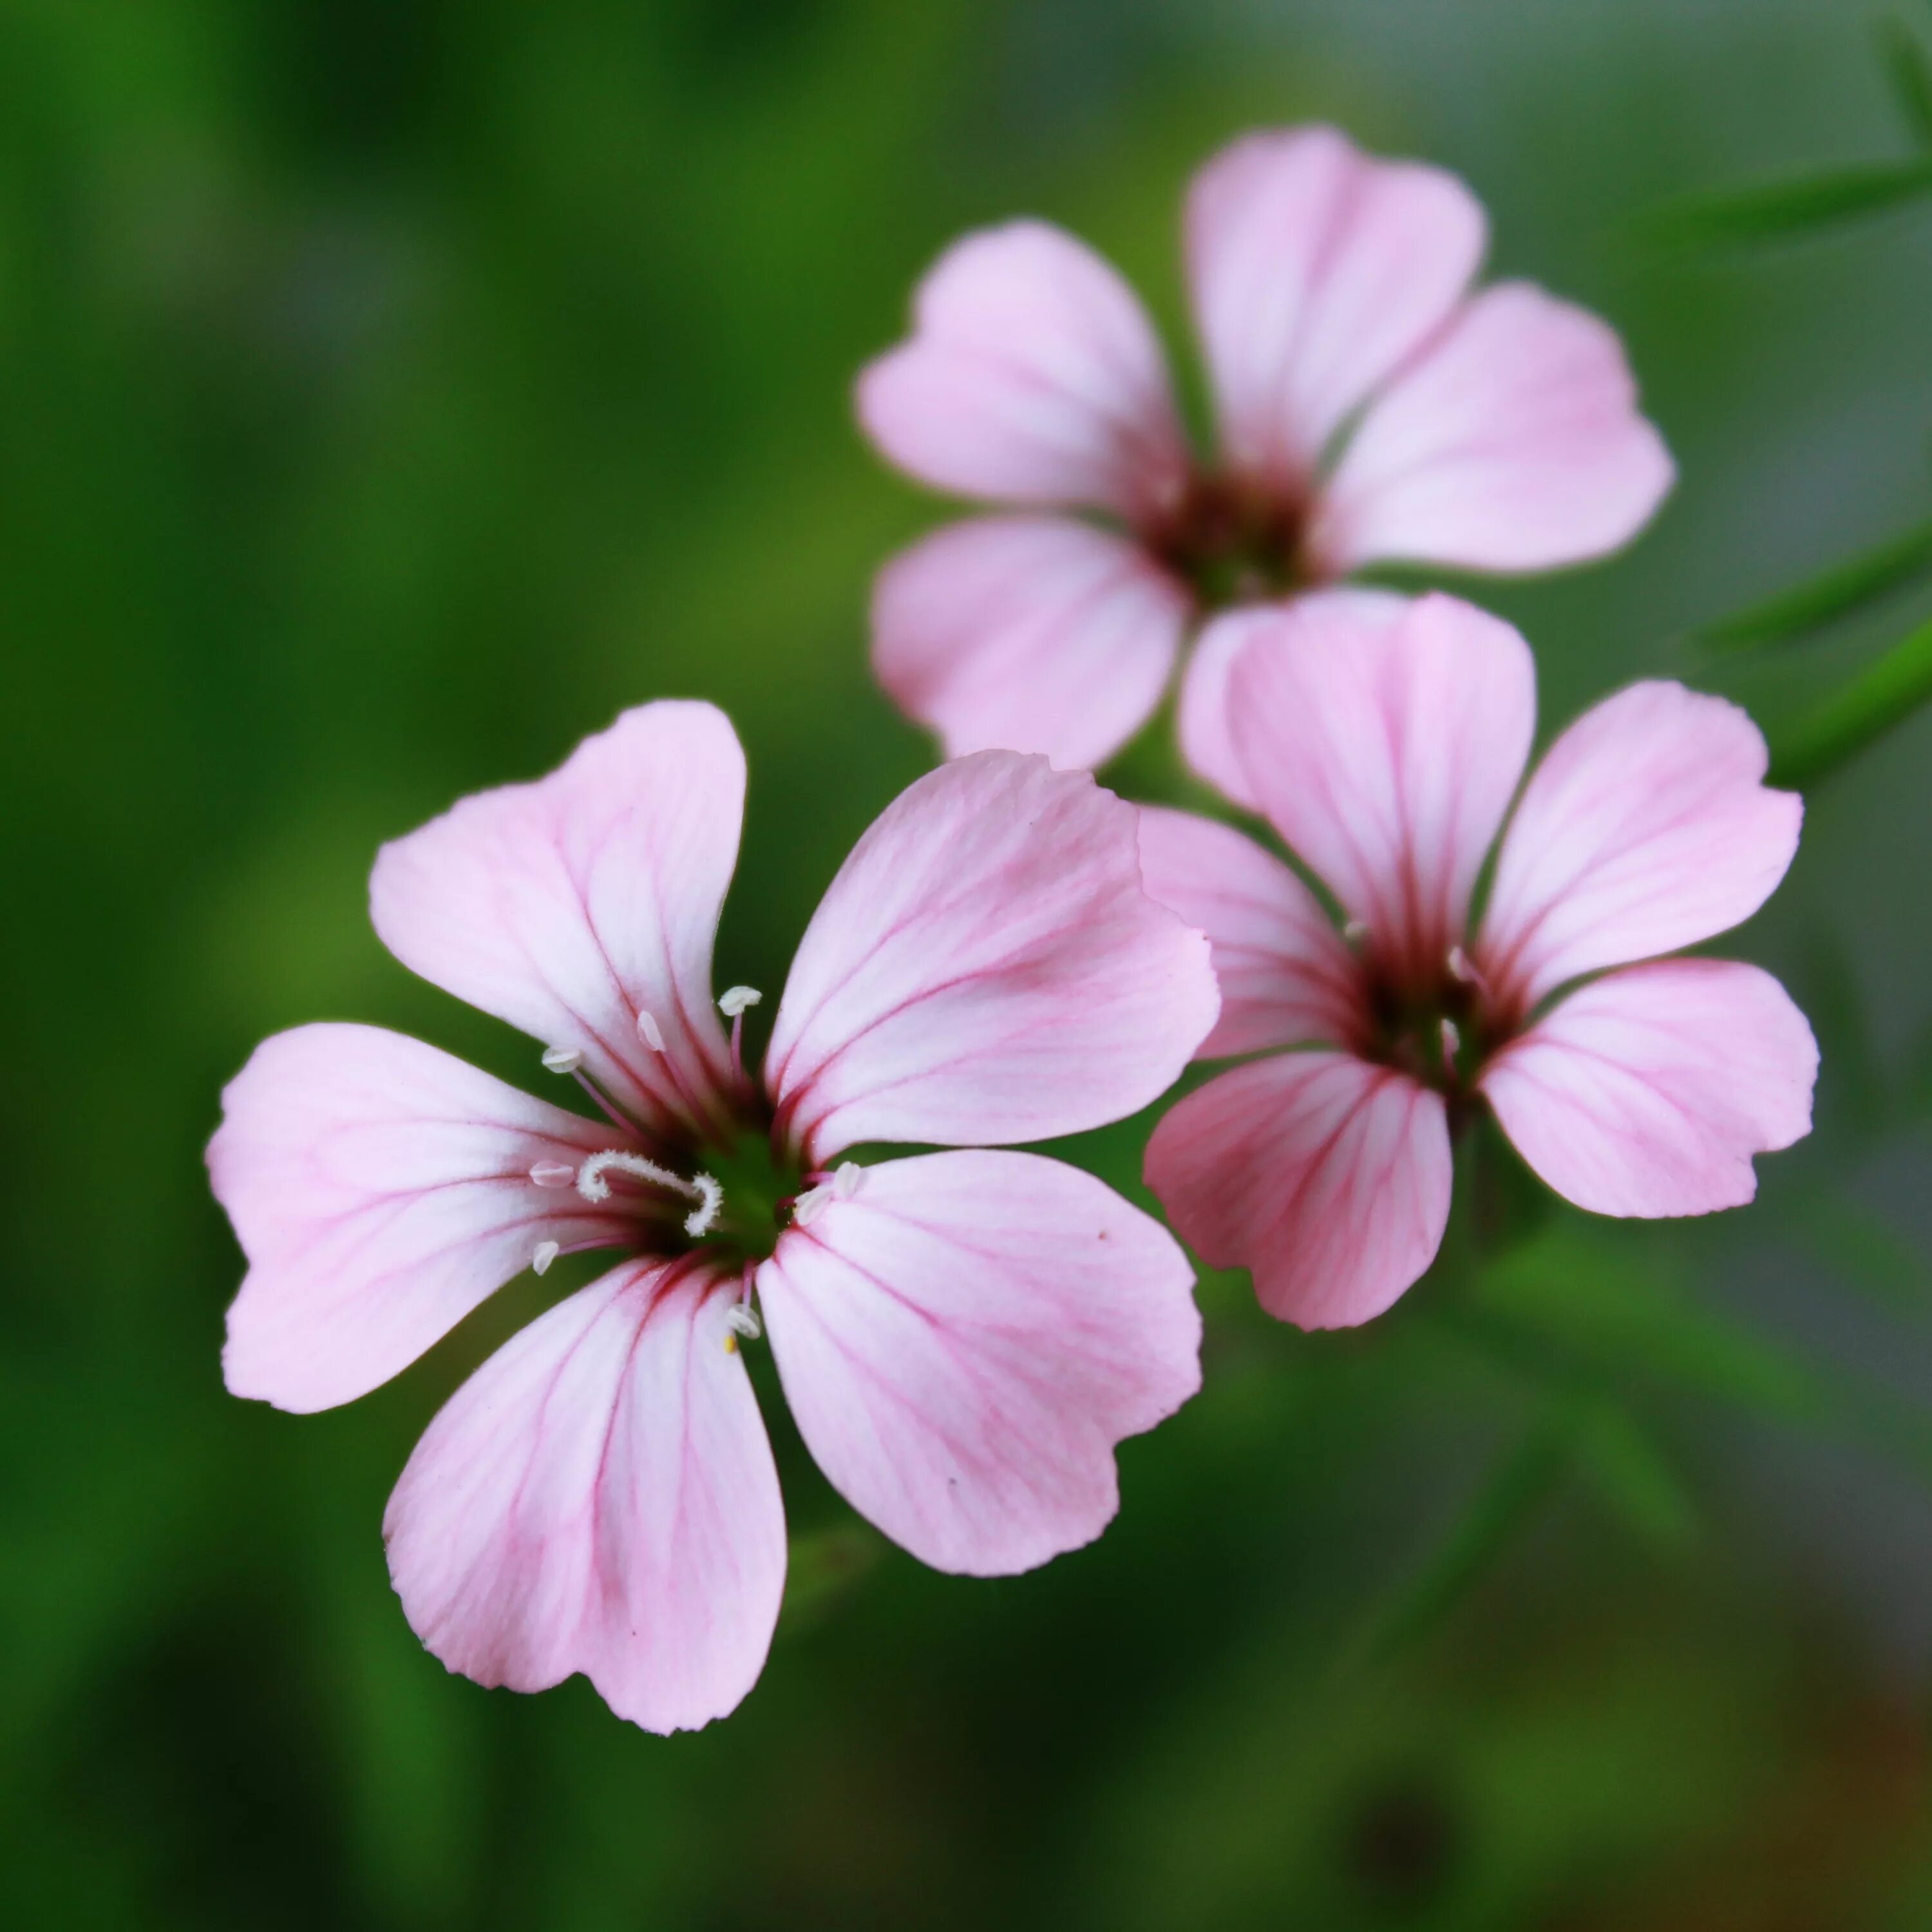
[[1833, 593], [1887, 695]]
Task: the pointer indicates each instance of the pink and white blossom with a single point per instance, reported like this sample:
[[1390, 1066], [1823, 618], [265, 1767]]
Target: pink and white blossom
[[1368, 408], [1386, 753], [964, 1336]]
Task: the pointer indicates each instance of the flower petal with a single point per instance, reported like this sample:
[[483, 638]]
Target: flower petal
[[1647, 1092], [1286, 978], [1032, 375], [1324, 1176], [1315, 271], [986, 967], [571, 906], [1648, 826], [380, 1189], [1207, 738], [1513, 442], [964, 1342], [1385, 755], [1027, 633], [600, 1497]]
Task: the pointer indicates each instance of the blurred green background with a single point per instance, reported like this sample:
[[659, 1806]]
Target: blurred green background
[[390, 391]]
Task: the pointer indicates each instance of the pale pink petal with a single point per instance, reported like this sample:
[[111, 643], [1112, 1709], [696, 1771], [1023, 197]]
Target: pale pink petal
[[1314, 272], [1286, 978], [1647, 1092], [573, 906], [380, 1189], [1032, 375], [986, 967], [1207, 739], [963, 1341], [1514, 442], [1325, 1176], [1385, 755], [1027, 633], [600, 1497], [1647, 827]]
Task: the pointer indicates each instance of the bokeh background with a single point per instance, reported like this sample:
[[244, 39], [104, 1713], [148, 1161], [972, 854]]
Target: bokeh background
[[392, 390]]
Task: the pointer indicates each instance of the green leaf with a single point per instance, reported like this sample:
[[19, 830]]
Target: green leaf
[[1908, 68], [823, 1568], [1858, 1247], [1782, 210], [1632, 1475], [1516, 1486], [1823, 599], [1891, 691], [1599, 1297]]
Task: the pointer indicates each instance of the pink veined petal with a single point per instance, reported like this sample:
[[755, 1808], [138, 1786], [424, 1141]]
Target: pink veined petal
[[1513, 442], [571, 906], [1315, 271], [1032, 375], [380, 1189], [1647, 1092], [1325, 1176], [1385, 755], [1207, 738], [964, 1342], [986, 967], [1286, 978], [1027, 633], [600, 1497], [1648, 826]]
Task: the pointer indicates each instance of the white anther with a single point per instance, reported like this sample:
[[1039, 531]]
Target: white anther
[[562, 1059], [845, 1181], [1355, 932], [650, 1032], [552, 1174], [734, 999], [809, 1205], [1459, 968], [547, 1252], [1452, 1040], [741, 1321]]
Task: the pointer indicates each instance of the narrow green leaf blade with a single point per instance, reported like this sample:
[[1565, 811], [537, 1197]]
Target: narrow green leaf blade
[[1823, 599], [1908, 67], [1783, 210], [1633, 1476], [1516, 1485], [1888, 693]]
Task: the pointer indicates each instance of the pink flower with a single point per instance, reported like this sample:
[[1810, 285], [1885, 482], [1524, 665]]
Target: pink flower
[[1386, 756], [1370, 409], [963, 1336]]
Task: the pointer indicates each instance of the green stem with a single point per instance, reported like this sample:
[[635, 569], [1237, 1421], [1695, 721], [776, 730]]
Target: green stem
[[1834, 593], [1887, 695]]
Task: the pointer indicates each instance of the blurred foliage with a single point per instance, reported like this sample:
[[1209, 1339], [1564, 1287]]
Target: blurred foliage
[[393, 392]]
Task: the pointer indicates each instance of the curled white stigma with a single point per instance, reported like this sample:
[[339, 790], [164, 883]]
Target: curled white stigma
[[703, 1217], [552, 1174], [1452, 1040], [547, 1252], [741, 1320], [702, 1188], [562, 1059], [1459, 968], [734, 999], [650, 1032]]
